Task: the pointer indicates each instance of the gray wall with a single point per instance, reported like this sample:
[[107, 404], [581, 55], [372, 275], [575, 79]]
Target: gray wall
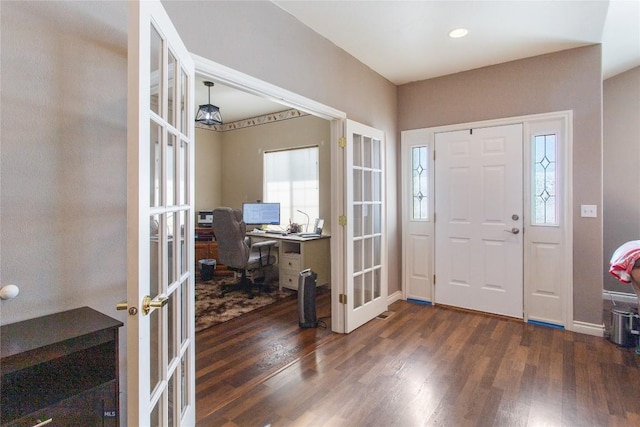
[[621, 160], [208, 169], [567, 80]]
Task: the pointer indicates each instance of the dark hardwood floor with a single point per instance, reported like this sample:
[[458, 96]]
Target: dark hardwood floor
[[422, 365]]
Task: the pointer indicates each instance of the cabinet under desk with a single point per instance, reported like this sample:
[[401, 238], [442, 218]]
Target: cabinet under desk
[[297, 253]]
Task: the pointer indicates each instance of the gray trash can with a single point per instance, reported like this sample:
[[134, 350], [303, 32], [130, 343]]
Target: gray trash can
[[207, 268], [621, 327]]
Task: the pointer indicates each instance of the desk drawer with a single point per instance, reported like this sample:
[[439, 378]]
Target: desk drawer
[[289, 279], [291, 262]]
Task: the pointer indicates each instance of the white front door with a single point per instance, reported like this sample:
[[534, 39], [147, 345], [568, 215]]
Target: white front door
[[366, 281], [160, 268], [478, 227]]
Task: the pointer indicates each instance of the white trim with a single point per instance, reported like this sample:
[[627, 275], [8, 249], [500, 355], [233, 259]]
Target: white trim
[[588, 328], [238, 80], [619, 297]]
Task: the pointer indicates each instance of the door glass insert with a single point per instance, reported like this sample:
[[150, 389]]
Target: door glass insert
[[545, 208], [357, 291], [419, 183]]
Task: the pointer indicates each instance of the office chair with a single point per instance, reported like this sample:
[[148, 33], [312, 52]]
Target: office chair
[[235, 251]]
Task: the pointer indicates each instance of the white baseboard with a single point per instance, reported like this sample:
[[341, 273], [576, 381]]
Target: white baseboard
[[620, 297], [588, 328], [396, 296]]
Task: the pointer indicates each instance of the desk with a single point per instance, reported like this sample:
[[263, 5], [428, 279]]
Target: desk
[[296, 253]]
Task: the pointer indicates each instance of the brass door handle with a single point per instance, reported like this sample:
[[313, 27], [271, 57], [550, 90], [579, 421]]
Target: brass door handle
[[148, 303]]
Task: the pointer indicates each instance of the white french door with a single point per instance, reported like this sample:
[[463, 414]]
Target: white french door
[[160, 285], [478, 228], [366, 281]]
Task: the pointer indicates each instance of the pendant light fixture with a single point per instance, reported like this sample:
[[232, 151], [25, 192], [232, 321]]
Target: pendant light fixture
[[209, 114]]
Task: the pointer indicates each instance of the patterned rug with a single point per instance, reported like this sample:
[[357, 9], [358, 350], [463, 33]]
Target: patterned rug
[[211, 309]]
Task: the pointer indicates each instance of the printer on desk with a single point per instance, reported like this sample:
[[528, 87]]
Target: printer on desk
[[205, 218]]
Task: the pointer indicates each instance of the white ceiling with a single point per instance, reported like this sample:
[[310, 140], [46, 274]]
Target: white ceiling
[[407, 41]]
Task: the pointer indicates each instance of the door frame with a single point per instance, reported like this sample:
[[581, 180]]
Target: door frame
[[427, 135], [244, 82]]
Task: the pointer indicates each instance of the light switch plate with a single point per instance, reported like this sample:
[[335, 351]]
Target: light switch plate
[[588, 211]]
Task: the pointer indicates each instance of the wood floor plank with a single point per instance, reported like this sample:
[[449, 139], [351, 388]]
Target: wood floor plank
[[422, 365]]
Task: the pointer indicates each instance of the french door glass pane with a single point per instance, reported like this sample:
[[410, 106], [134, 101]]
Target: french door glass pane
[[156, 413], [357, 150], [182, 262], [367, 187], [171, 90], [172, 308], [357, 255], [357, 291], [170, 170], [155, 70], [368, 287], [171, 241], [184, 398], [357, 220], [367, 220], [184, 315], [357, 185], [155, 166], [368, 253], [184, 84], [377, 186], [366, 152], [377, 155], [377, 218], [172, 420], [155, 254], [183, 171], [155, 349], [377, 285]]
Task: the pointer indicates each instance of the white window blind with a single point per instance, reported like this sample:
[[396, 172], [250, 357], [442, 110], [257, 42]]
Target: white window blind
[[291, 179]]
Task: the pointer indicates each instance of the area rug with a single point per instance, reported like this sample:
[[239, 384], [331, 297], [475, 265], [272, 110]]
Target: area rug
[[211, 309]]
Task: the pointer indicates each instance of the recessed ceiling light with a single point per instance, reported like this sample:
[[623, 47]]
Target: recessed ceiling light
[[458, 32]]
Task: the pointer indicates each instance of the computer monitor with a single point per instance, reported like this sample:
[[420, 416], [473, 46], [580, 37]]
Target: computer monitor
[[261, 213]]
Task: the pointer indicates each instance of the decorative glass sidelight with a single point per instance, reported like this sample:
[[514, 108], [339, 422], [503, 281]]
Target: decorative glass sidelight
[[420, 182], [545, 178]]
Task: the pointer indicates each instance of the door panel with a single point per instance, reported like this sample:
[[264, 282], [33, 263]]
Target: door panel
[[417, 215], [160, 296], [479, 207], [366, 286]]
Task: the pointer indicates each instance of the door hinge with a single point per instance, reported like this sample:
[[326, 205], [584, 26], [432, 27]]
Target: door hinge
[[434, 279], [342, 220], [434, 155], [342, 142], [343, 298]]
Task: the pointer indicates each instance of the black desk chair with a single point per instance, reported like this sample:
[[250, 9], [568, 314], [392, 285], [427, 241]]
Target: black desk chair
[[234, 250]]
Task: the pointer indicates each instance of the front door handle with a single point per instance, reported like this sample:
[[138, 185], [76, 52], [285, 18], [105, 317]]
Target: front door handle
[[514, 230]]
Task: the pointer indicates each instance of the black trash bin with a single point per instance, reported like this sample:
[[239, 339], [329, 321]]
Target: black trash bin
[[207, 268]]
